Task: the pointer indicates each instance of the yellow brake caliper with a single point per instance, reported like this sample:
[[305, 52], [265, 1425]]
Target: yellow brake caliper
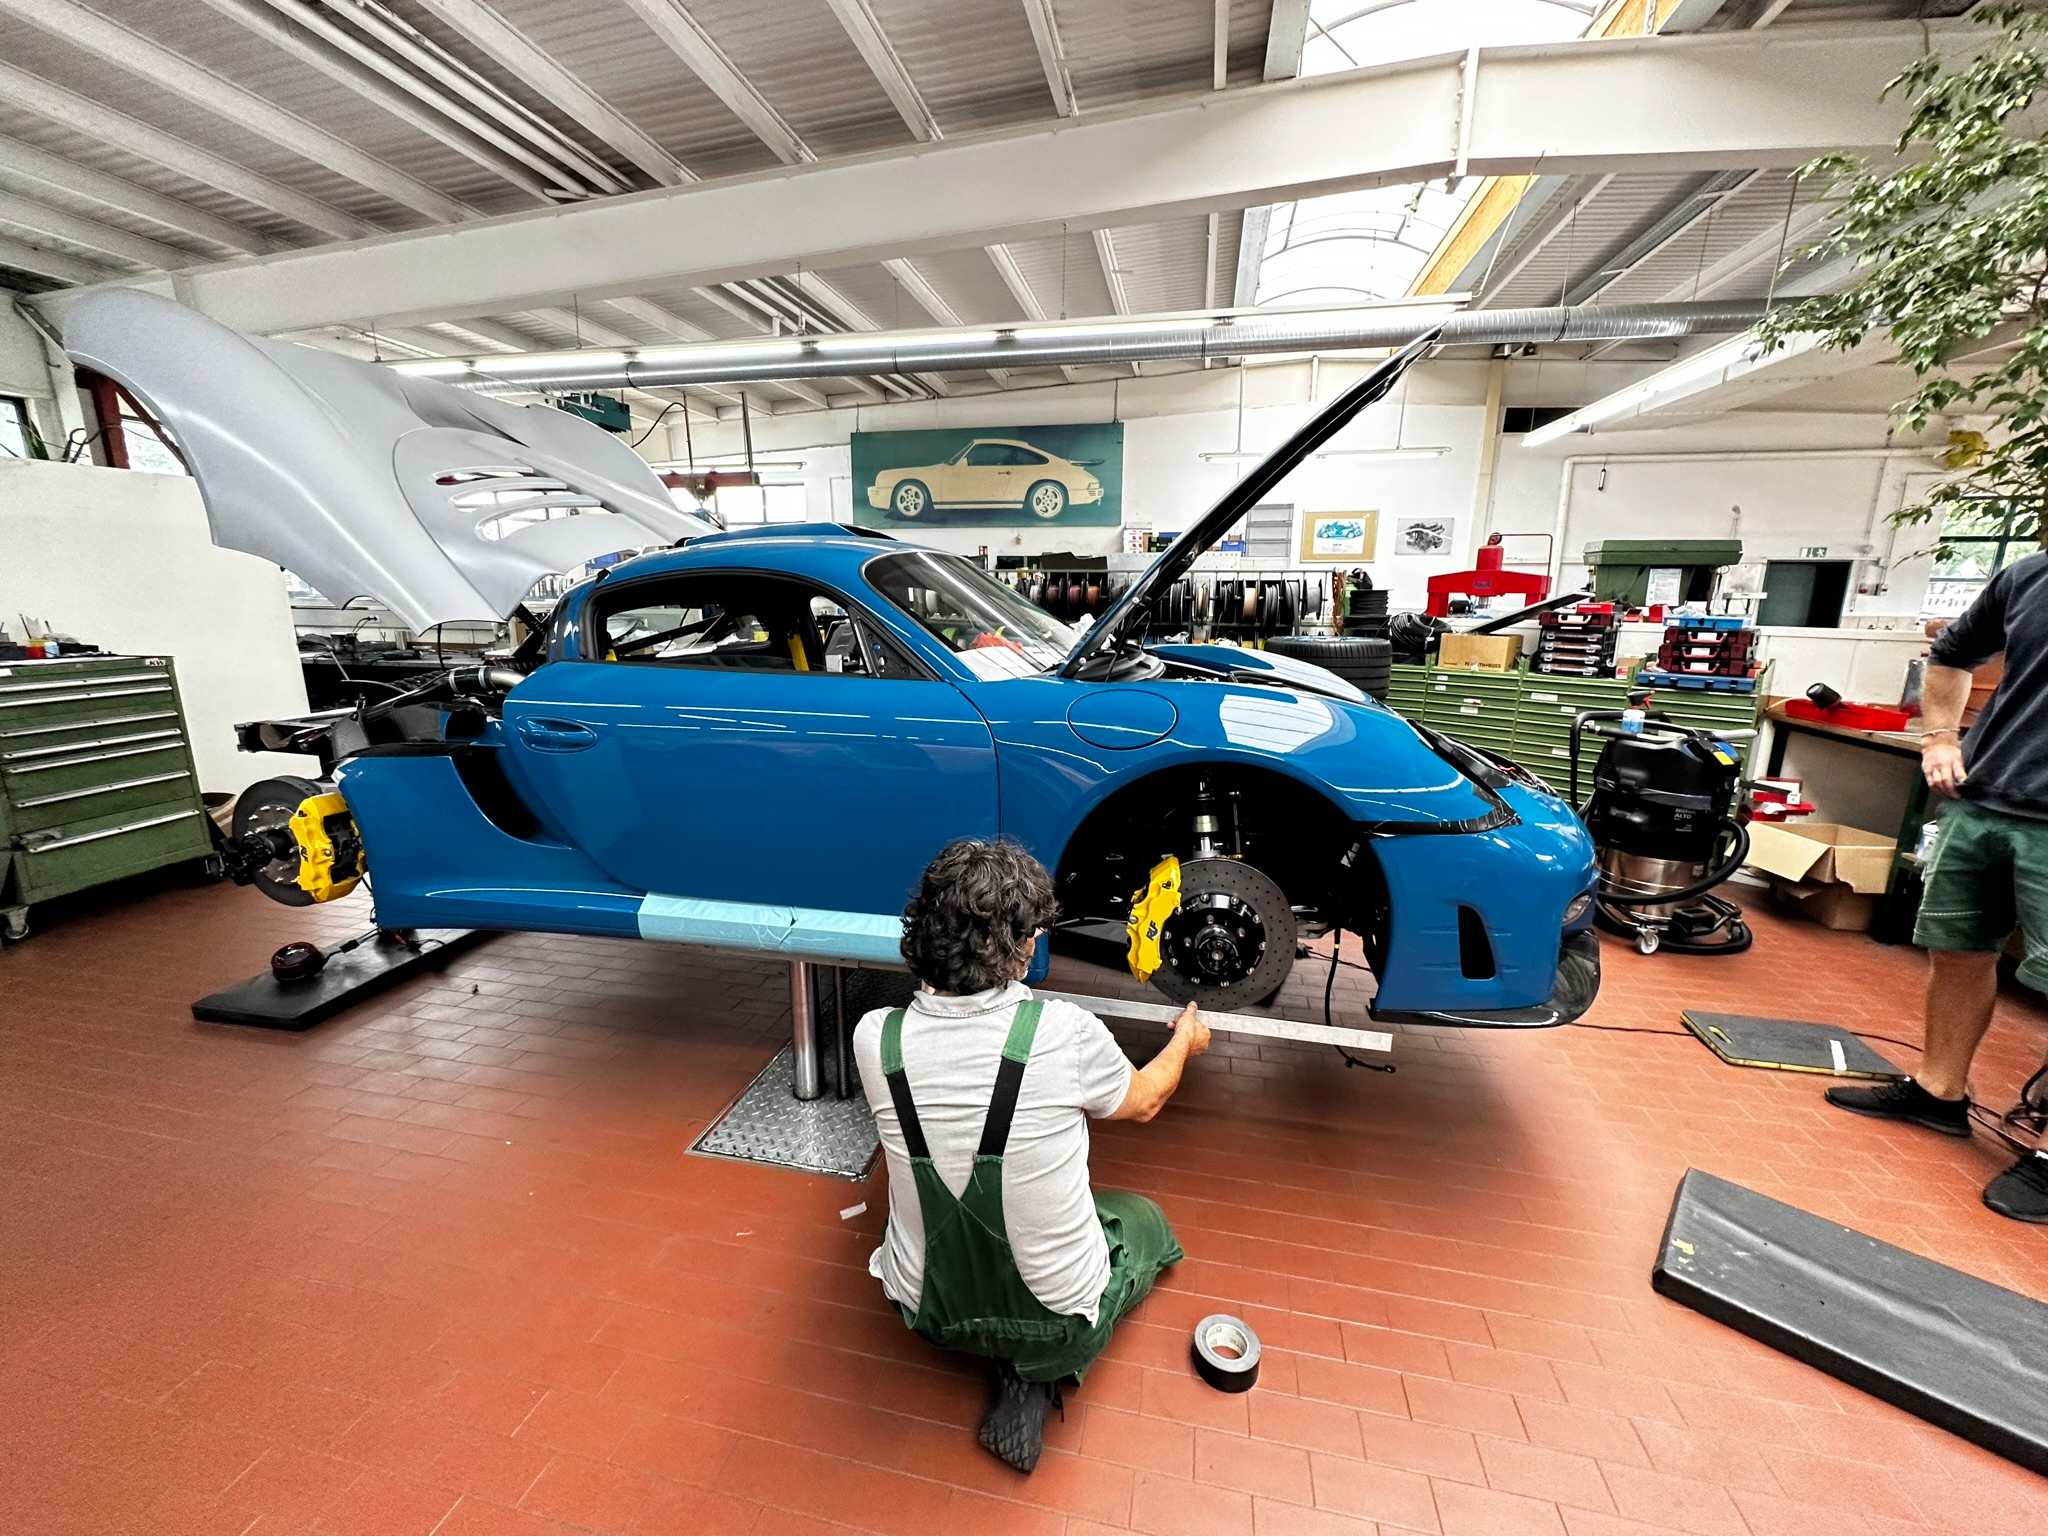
[[1150, 908], [330, 853]]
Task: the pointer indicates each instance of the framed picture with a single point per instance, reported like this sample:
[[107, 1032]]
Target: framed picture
[[990, 477], [1339, 537], [1425, 535]]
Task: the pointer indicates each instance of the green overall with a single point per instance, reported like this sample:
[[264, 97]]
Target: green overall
[[974, 1300]]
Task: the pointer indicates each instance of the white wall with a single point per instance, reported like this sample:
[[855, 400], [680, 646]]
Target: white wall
[[1778, 507], [123, 560], [32, 369]]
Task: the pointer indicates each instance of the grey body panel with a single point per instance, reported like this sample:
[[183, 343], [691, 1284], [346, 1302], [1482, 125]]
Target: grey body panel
[[368, 484]]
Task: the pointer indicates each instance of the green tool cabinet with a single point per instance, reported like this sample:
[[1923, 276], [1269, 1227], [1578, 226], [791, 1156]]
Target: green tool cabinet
[[96, 777], [1527, 717]]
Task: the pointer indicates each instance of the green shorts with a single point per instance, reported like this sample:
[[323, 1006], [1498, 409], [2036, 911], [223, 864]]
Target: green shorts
[[1988, 873]]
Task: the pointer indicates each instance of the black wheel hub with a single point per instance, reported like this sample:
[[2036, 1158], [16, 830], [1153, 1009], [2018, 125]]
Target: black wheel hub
[[1215, 940]]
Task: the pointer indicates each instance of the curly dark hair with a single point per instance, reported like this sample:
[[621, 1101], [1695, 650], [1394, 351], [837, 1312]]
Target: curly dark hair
[[974, 914]]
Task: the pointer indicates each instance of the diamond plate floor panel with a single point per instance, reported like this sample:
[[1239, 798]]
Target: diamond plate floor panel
[[766, 1124]]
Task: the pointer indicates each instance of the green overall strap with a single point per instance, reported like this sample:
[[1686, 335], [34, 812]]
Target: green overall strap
[[995, 1134], [899, 1087]]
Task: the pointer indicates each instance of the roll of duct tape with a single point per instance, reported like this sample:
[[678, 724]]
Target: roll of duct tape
[[1226, 1353]]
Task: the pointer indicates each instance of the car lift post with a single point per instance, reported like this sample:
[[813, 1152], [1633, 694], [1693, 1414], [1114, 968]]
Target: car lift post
[[803, 1015]]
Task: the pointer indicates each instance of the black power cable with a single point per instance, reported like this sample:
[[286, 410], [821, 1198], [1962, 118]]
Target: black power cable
[[1329, 986]]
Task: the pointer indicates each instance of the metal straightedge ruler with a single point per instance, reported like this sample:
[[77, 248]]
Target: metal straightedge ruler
[[1230, 1023]]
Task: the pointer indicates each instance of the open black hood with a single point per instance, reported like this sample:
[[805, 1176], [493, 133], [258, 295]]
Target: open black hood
[[1127, 614]]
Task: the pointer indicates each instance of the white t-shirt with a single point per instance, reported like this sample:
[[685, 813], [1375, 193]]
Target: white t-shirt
[[951, 1049]]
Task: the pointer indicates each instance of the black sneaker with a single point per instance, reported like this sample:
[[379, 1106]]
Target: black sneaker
[[1906, 1100], [1015, 1428], [2021, 1192]]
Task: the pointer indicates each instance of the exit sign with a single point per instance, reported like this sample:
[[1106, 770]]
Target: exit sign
[[1814, 552]]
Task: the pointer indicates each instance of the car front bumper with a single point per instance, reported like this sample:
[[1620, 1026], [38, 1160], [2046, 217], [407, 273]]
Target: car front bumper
[[1578, 983], [878, 496]]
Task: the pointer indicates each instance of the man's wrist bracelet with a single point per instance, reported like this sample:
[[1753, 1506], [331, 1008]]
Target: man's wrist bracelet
[[1943, 730]]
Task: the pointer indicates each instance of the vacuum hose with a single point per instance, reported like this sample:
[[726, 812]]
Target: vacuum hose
[[1712, 878]]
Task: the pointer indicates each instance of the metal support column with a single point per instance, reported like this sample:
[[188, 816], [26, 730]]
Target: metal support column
[[842, 1034], [803, 1015]]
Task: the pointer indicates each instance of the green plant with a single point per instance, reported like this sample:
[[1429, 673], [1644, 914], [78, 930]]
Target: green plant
[[1952, 248]]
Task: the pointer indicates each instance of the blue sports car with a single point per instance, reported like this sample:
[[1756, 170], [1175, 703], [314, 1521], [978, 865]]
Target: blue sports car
[[759, 738]]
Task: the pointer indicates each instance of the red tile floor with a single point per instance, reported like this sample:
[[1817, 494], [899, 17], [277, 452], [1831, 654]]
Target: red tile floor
[[445, 1265]]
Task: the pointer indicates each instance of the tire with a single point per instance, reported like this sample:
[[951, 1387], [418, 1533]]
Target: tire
[[1250, 889], [910, 499], [1355, 658], [1046, 500], [262, 807]]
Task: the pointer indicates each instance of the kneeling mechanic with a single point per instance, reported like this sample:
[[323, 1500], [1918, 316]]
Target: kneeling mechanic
[[996, 1245]]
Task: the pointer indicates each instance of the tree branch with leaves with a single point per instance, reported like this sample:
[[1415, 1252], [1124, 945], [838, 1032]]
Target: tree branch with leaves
[[1951, 247]]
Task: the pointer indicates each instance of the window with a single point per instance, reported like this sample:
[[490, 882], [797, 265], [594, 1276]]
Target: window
[[147, 451], [989, 455], [995, 632], [738, 621], [1979, 538], [18, 438]]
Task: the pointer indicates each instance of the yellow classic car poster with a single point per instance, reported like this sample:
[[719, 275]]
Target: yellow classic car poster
[[995, 477]]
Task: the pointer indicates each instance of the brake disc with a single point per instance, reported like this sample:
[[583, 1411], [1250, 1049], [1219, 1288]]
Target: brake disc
[[269, 807], [1231, 942]]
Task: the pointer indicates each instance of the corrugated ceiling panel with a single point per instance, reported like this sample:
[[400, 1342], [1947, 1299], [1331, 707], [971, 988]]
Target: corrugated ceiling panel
[[43, 54], [1065, 275], [612, 51], [1598, 230], [1756, 212], [969, 282], [1164, 266], [973, 60], [800, 58], [86, 208]]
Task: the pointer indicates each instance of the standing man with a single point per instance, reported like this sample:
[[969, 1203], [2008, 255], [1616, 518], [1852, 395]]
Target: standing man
[[1989, 869], [982, 1094]]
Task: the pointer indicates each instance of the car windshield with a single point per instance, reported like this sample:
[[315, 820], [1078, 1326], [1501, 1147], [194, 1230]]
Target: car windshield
[[993, 630]]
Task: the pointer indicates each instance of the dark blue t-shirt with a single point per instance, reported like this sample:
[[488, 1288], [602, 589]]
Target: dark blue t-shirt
[[2006, 751]]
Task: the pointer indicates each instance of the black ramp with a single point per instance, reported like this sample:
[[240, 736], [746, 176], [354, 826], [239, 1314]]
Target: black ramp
[[1960, 1352], [350, 975], [1787, 1045]]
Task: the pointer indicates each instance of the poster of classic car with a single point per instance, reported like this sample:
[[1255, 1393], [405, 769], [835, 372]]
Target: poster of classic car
[[998, 477]]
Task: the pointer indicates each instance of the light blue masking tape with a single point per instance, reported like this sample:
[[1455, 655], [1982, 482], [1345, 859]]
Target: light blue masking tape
[[807, 931]]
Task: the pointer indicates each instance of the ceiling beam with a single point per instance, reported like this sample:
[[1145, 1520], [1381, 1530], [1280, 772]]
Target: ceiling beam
[[1286, 37], [56, 265], [158, 65], [687, 39], [1052, 56], [125, 197], [1708, 194], [83, 115], [1112, 274], [102, 239], [1708, 101], [320, 44], [539, 72], [858, 18]]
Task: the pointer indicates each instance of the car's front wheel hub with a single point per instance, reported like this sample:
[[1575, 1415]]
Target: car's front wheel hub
[[1218, 942]]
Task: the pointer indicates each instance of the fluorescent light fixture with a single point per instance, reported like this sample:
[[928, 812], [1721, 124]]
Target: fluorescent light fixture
[[1370, 455], [1722, 363]]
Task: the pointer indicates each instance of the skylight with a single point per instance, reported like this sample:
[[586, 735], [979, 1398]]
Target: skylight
[[1360, 246]]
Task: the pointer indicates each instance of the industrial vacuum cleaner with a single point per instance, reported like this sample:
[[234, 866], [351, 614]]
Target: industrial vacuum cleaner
[[1662, 817]]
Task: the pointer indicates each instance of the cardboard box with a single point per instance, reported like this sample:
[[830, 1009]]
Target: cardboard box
[[1832, 906], [1480, 653], [1824, 853]]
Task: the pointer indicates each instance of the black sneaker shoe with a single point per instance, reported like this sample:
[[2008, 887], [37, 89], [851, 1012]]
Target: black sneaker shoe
[[2021, 1192], [1906, 1100], [1015, 1428]]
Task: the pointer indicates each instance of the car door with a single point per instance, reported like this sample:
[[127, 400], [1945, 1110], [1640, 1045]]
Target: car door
[[987, 476], [744, 737]]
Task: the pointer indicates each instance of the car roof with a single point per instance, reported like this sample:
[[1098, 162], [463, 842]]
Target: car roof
[[830, 552]]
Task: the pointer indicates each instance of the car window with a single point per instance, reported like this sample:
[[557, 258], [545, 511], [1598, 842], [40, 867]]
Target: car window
[[983, 455], [994, 631], [1029, 457], [732, 621]]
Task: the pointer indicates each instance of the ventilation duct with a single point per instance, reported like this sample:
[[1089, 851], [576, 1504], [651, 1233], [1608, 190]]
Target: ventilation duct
[[1067, 344]]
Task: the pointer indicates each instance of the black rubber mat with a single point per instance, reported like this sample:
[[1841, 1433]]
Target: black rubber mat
[[1787, 1045], [264, 1002], [1960, 1352]]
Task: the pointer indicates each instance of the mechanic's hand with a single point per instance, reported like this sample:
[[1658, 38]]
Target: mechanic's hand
[[1189, 1027], [1942, 764]]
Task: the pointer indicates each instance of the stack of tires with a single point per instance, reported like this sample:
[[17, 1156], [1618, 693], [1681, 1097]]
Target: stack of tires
[[1361, 660], [1366, 612]]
